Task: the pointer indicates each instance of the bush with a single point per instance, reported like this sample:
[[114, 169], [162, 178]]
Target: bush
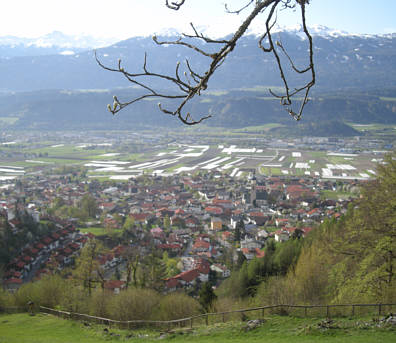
[[99, 304], [134, 304], [6, 299], [177, 306]]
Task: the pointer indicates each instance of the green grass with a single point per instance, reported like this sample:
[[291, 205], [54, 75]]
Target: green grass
[[335, 195], [22, 328], [270, 171], [372, 127], [97, 231], [337, 160], [59, 161], [385, 98], [259, 128], [171, 169], [8, 120]]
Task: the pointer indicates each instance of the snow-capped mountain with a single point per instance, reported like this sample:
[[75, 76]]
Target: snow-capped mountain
[[59, 89], [341, 60], [316, 31], [52, 43]]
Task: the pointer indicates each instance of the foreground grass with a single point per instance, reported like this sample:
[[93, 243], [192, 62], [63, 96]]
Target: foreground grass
[[22, 328]]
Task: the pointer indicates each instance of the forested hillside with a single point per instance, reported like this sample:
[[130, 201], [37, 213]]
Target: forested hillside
[[352, 259]]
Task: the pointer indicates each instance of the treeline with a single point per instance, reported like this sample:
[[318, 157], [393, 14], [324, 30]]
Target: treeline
[[247, 276], [131, 304]]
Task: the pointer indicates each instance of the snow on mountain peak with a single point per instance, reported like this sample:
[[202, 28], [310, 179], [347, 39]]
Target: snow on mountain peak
[[58, 39], [314, 30]]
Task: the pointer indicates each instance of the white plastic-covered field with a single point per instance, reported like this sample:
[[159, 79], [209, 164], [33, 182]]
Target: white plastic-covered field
[[341, 154], [340, 166], [12, 170], [215, 164], [234, 172], [7, 178], [302, 165], [233, 149]]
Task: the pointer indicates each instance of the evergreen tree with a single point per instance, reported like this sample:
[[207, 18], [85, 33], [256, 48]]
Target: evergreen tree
[[206, 296]]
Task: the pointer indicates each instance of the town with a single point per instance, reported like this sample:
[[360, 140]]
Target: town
[[201, 223], [171, 210]]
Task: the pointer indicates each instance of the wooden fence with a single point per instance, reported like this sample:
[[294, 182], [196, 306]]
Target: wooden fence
[[328, 311], [14, 309]]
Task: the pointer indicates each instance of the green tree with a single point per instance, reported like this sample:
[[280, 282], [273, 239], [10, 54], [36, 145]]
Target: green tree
[[132, 257], [129, 223], [171, 265], [206, 296], [89, 206], [88, 269], [240, 231], [167, 223]]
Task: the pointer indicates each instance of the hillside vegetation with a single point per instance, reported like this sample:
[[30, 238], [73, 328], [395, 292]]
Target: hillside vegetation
[[349, 260]]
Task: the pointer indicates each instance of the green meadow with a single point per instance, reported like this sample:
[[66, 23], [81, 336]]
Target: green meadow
[[42, 328]]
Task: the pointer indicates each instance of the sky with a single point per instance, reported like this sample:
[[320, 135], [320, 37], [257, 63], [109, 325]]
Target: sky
[[122, 19]]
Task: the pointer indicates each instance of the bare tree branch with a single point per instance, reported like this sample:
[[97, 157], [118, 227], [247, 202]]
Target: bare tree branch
[[193, 83], [174, 5], [240, 10]]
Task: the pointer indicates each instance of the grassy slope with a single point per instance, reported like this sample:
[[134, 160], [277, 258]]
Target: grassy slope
[[22, 328]]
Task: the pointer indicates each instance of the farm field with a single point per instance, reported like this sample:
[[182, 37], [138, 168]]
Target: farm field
[[108, 161]]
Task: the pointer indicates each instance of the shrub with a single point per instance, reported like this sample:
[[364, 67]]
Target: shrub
[[134, 304], [177, 306]]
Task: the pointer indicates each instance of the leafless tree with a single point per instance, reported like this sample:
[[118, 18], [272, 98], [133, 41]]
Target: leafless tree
[[191, 83]]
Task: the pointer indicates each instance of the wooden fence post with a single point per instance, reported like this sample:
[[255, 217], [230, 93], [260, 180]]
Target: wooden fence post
[[353, 310], [379, 309], [305, 311], [328, 311], [262, 312], [207, 320], [191, 323]]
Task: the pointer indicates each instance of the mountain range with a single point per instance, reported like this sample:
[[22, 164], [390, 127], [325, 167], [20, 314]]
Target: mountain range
[[49, 79]]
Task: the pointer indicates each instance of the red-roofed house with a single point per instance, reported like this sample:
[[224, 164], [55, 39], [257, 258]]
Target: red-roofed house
[[114, 285], [188, 277], [214, 210], [12, 284], [172, 284]]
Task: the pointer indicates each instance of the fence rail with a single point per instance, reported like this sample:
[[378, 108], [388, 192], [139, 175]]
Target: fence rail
[[14, 309], [206, 318]]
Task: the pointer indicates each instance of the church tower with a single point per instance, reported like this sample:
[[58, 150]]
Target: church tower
[[253, 184]]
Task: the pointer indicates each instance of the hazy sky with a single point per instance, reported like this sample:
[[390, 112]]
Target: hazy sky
[[126, 18]]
